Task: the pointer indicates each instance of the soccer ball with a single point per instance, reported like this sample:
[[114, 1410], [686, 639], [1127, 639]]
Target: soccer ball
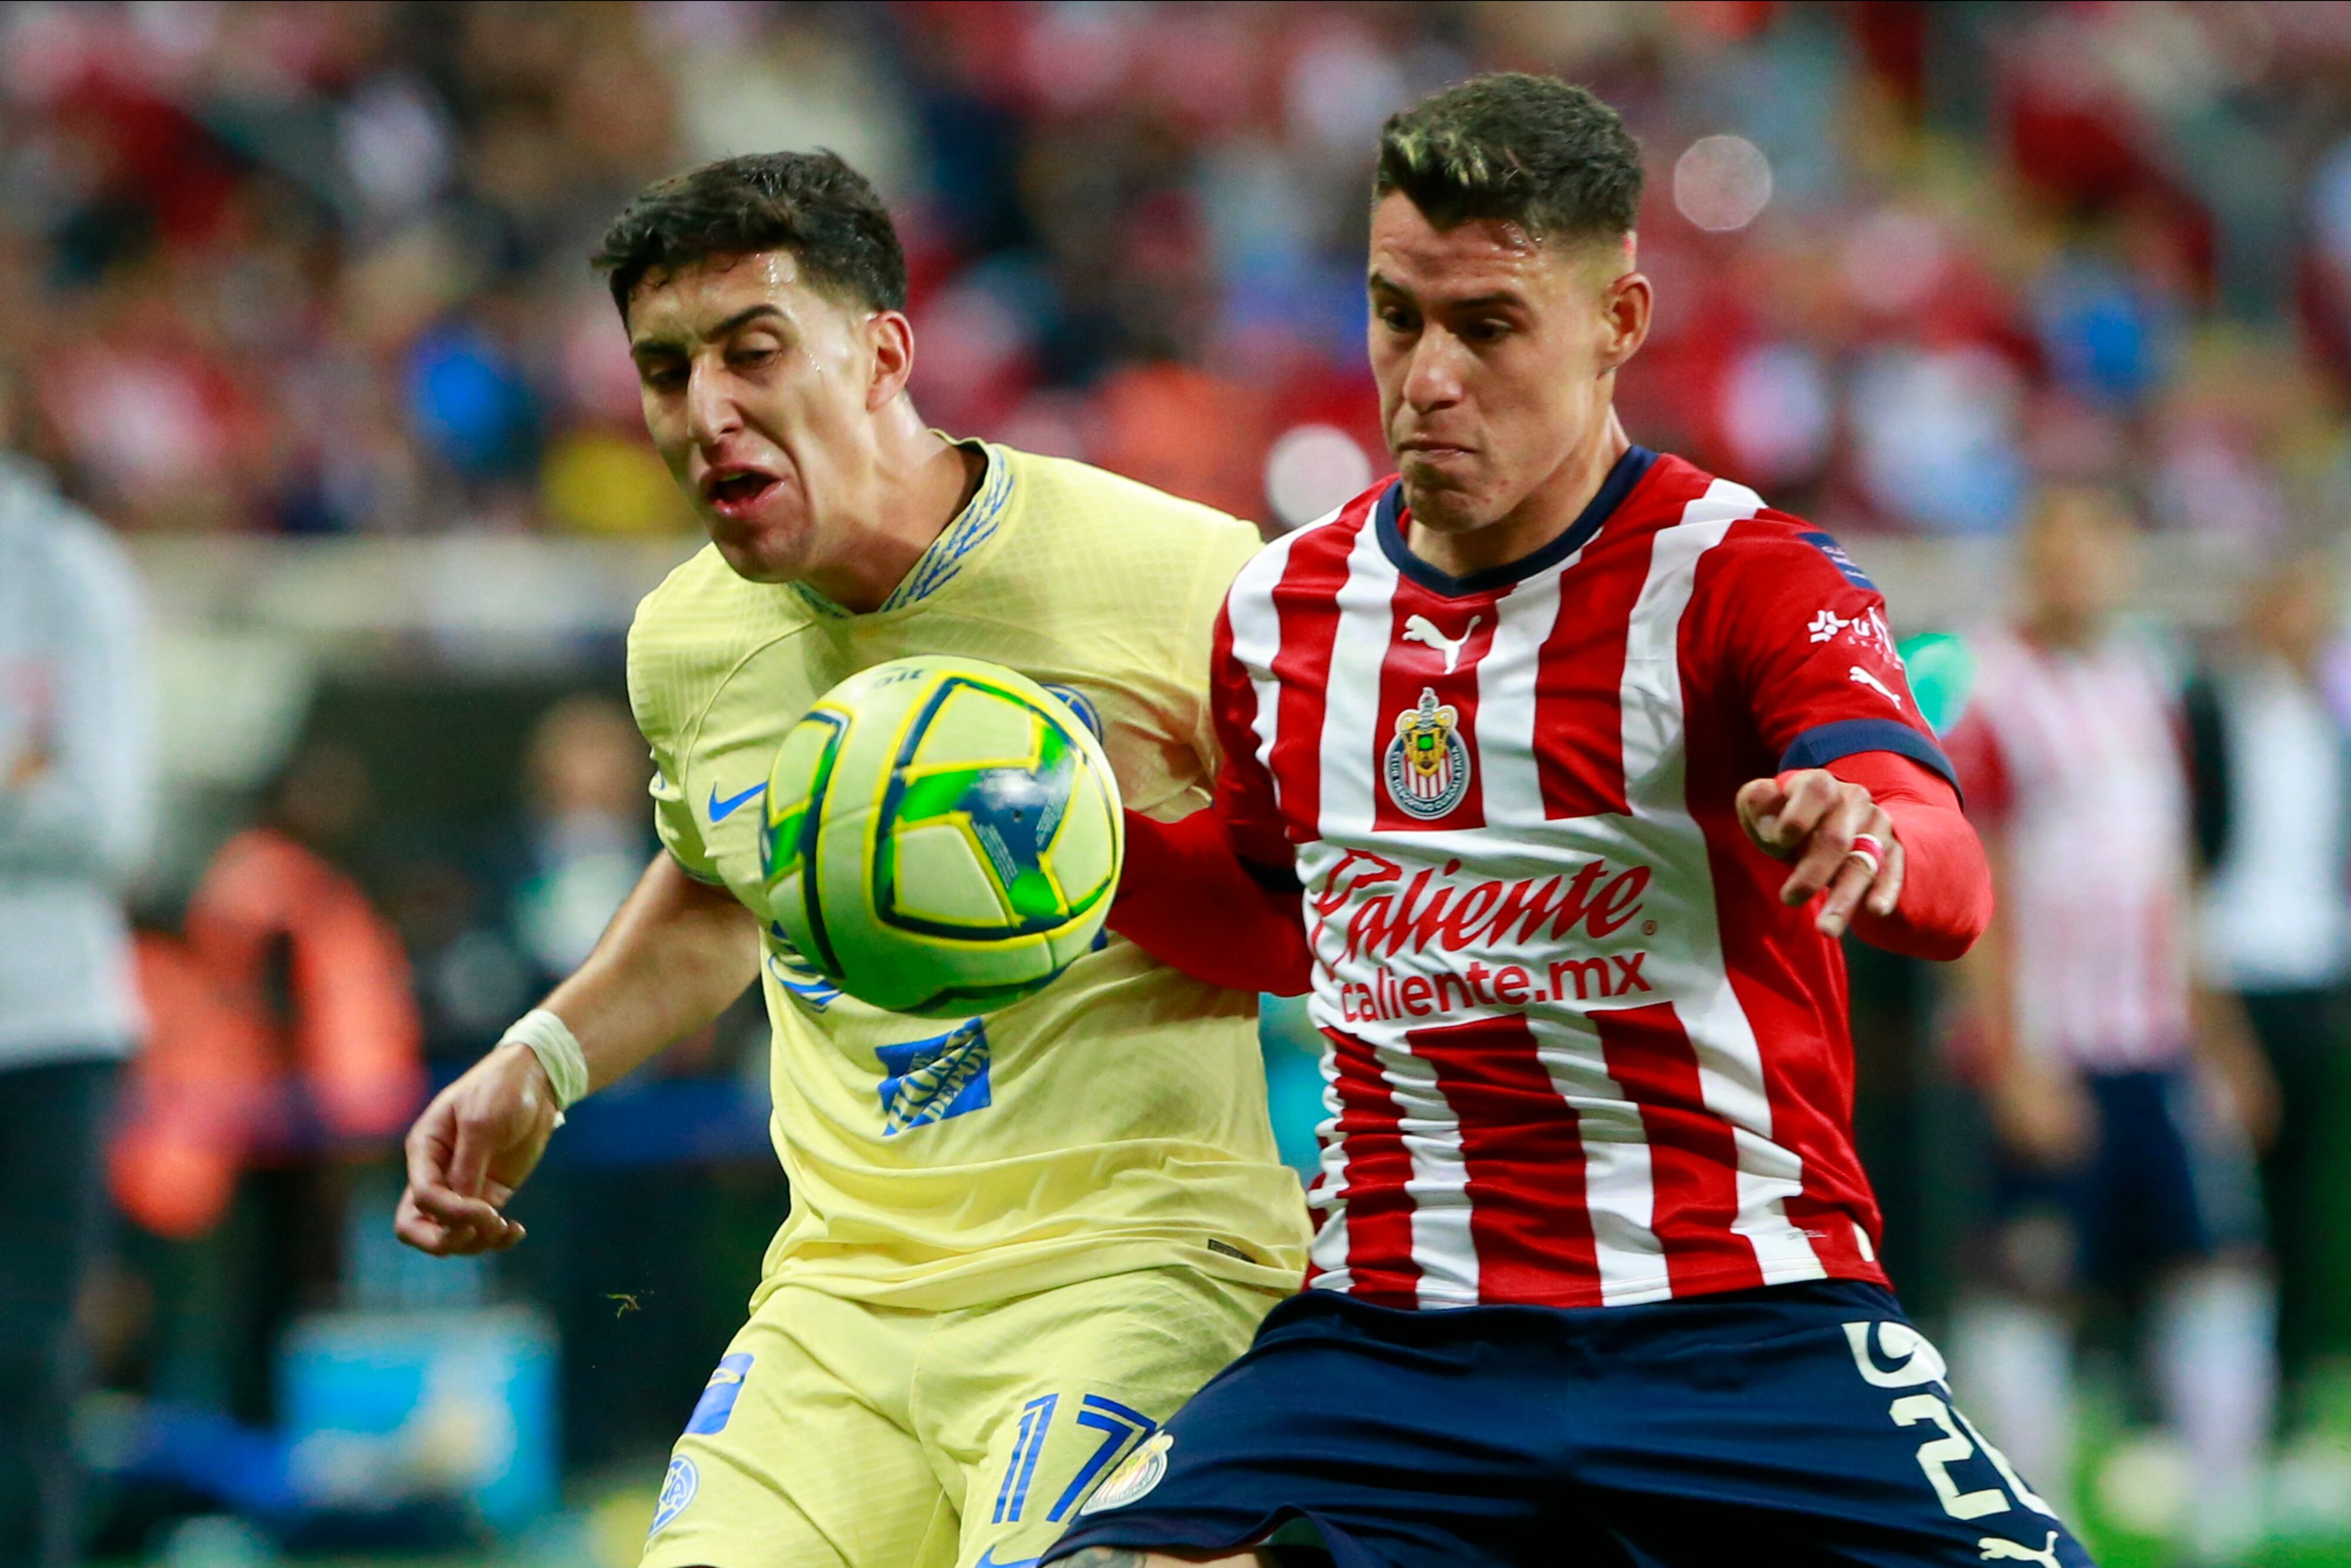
[[942, 836]]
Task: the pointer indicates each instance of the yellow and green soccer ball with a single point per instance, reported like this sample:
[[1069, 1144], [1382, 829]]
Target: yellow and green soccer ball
[[942, 836]]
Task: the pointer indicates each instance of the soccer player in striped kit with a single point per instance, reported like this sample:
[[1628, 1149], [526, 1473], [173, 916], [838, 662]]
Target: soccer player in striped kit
[[1554, 769], [2123, 1095]]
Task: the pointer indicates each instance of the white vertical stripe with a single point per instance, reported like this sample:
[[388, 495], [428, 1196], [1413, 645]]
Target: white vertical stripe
[[1507, 779], [1441, 1244], [1329, 1249], [1350, 698], [1730, 1062], [1257, 638], [1618, 1191]]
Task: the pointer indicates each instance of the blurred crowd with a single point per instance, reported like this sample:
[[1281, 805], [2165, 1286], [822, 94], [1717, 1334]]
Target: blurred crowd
[[320, 268]]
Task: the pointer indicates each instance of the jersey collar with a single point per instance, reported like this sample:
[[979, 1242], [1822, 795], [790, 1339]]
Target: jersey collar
[[1387, 517], [945, 556]]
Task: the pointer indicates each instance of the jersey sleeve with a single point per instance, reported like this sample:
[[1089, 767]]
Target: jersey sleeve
[[1205, 637], [674, 821], [1804, 639], [650, 699], [1245, 800]]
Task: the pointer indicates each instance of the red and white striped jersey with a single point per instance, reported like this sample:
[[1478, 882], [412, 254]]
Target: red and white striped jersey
[[2074, 766], [1578, 1051]]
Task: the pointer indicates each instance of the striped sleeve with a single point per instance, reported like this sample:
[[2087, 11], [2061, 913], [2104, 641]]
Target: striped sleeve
[[1245, 800]]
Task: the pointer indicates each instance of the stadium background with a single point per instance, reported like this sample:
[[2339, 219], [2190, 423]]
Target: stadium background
[[298, 303]]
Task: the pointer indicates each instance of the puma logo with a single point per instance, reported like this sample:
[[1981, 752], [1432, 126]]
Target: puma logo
[[1997, 1550], [1419, 629], [1866, 679]]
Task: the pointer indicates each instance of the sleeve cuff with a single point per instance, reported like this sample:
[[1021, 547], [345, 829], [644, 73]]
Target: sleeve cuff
[[1823, 744], [707, 879]]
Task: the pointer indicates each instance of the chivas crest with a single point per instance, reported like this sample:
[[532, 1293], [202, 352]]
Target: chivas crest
[[1427, 764]]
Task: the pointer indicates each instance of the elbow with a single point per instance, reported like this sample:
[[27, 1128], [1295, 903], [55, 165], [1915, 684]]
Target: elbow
[[1971, 926], [1946, 946], [1950, 935]]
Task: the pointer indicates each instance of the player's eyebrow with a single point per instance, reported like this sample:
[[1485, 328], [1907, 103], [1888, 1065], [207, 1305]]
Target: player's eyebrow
[[749, 313], [1509, 298]]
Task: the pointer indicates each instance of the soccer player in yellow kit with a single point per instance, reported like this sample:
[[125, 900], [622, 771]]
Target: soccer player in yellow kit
[[1016, 1243]]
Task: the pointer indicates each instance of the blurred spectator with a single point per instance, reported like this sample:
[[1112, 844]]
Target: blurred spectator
[[286, 1043], [2124, 1099], [587, 828], [2273, 800], [76, 814]]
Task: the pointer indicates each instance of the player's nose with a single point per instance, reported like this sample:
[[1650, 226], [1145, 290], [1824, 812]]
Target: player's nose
[[1434, 378], [711, 415]]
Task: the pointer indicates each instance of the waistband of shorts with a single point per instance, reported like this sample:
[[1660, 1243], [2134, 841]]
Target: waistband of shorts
[[1743, 1314]]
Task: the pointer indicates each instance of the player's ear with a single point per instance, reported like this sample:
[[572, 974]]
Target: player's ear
[[1626, 302], [891, 338]]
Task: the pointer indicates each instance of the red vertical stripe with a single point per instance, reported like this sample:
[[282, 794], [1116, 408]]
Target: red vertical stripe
[[1580, 673], [1306, 611], [1378, 1171], [1422, 620], [1525, 1159], [1693, 1163]]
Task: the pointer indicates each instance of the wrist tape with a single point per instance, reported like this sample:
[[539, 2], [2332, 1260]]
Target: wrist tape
[[550, 1040]]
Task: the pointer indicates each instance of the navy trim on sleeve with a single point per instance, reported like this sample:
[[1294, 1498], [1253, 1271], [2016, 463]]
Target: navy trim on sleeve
[[1824, 743], [1845, 566]]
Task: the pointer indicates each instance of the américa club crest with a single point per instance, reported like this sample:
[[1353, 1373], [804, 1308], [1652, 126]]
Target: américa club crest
[[1428, 763]]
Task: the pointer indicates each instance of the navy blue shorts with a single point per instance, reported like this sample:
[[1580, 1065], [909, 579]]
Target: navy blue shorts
[[1800, 1424], [2168, 1181]]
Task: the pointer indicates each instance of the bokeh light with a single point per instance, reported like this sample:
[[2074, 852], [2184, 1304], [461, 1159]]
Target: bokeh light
[[1311, 469], [1722, 183]]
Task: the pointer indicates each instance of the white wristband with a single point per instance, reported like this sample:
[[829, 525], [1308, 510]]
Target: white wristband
[[550, 1040]]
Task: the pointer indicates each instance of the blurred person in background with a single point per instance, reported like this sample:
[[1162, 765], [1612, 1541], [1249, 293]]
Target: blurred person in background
[[285, 1046], [585, 825], [2124, 1100], [76, 792], [2272, 804]]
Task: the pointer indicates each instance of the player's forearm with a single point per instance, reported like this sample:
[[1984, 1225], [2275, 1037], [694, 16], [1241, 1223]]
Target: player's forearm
[[1946, 887], [1189, 900], [677, 952]]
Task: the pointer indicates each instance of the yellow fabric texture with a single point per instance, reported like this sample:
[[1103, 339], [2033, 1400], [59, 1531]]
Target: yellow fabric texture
[[1119, 1121], [881, 1438]]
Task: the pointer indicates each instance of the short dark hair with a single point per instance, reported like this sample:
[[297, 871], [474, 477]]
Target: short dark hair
[[810, 204], [1530, 150]]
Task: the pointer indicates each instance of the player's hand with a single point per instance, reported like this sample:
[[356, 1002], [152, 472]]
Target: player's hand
[[1841, 842], [475, 1144]]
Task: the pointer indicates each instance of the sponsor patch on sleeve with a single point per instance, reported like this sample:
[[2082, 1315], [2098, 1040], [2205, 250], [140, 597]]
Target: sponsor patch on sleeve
[[1838, 558], [719, 1395]]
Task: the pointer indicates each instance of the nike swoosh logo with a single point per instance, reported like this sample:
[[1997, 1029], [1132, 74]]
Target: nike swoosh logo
[[722, 809], [988, 1558]]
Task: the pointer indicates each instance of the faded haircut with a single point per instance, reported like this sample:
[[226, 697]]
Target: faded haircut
[[812, 205], [1531, 150]]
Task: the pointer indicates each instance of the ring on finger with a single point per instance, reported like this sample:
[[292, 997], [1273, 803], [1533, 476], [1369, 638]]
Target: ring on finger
[[1869, 850]]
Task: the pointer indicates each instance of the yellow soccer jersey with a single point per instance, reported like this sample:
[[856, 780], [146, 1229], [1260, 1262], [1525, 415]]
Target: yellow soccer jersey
[[1115, 1120]]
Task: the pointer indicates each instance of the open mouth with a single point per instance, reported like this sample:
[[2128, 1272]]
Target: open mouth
[[732, 492]]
